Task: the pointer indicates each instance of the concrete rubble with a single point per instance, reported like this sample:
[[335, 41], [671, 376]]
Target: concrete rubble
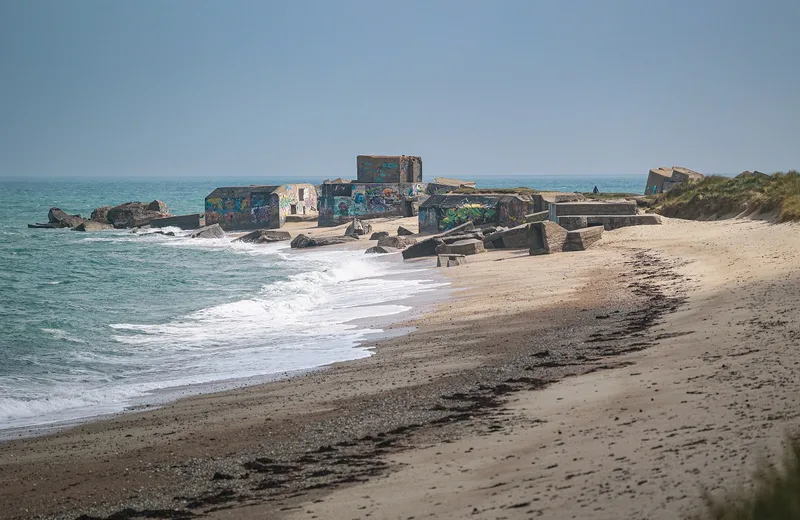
[[546, 237], [451, 260], [262, 236], [212, 231], [358, 228], [303, 241], [581, 239], [396, 242], [381, 250], [470, 246], [609, 222]]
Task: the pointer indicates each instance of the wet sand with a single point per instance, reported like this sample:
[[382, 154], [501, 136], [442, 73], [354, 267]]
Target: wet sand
[[611, 383]]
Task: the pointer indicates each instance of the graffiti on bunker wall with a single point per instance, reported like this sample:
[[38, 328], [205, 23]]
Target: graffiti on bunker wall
[[512, 211], [379, 172], [228, 212], [476, 212], [368, 200]]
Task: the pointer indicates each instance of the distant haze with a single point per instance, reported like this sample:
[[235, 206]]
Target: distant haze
[[300, 87]]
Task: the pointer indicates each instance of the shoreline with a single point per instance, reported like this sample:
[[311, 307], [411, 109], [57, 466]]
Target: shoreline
[[466, 412], [374, 329], [383, 356]]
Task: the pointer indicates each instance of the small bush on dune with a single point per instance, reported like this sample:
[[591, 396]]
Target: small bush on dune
[[777, 196], [775, 494]]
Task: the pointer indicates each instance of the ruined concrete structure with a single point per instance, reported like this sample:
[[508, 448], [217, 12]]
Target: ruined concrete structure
[[662, 179], [544, 199], [192, 221], [389, 169], [608, 222], [386, 186], [340, 203], [444, 212], [250, 207], [610, 215], [569, 209]]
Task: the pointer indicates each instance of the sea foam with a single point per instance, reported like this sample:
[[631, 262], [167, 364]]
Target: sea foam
[[316, 309]]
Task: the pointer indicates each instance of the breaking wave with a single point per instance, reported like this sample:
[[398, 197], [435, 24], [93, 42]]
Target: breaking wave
[[313, 309]]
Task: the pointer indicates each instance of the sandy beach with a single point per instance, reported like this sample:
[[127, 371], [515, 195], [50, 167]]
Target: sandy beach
[[619, 382]]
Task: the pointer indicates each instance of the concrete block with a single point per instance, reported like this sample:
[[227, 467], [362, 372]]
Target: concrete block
[[381, 250], [463, 228], [449, 239], [595, 208], [516, 237], [450, 260], [573, 222], [263, 236], [388, 168], [193, 221], [539, 216], [609, 222], [581, 239], [396, 242], [425, 247], [546, 237], [471, 246]]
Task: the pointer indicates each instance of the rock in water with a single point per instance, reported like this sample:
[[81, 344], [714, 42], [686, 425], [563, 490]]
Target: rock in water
[[62, 218], [43, 226], [396, 242], [301, 241], [100, 214], [132, 214], [380, 250], [91, 225], [261, 236], [212, 231], [358, 228], [426, 247], [401, 231], [159, 206], [379, 235]]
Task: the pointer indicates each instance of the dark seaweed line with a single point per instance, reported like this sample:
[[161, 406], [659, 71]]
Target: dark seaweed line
[[359, 460]]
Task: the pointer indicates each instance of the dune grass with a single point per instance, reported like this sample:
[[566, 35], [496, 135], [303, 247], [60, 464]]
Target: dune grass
[[775, 494], [776, 197]]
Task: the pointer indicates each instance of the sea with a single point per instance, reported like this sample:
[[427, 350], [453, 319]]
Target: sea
[[103, 322]]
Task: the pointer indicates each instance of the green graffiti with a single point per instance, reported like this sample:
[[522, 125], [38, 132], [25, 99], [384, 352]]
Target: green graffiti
[[477, 213]]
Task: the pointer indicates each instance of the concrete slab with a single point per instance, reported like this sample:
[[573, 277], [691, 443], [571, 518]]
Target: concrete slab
[[546, 237], [581, 239], [609, 222], [470, 246], [595, 208], [186, 222]]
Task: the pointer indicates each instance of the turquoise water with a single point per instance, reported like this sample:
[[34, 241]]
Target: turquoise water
[[95, 322]]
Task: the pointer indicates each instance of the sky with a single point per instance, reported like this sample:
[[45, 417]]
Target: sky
[[181, 88]]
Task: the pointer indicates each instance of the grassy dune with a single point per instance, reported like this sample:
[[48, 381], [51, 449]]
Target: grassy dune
[[775, 494], [774, 197]]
